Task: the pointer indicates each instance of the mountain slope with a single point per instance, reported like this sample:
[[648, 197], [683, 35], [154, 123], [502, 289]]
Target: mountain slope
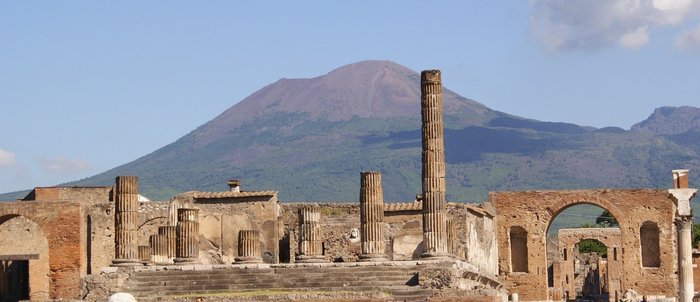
[[310, 139], [671, 120]]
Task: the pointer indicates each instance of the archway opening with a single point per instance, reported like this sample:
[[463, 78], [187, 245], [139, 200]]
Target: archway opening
[[582, 243], [24, 251]]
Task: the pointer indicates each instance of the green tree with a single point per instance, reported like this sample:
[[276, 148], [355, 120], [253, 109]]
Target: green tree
[[592, 246], [606, 219], [696, 234]]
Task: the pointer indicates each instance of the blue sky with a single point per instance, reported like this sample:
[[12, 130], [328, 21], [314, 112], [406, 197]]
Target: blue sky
[[86, 86]]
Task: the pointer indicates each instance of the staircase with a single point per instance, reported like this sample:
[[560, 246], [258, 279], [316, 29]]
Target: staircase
[[398, 283]]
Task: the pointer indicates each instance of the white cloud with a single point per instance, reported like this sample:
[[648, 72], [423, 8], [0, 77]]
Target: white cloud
[[689, 40], [635, 39], [7, 158], [62, 165], [565, 25]]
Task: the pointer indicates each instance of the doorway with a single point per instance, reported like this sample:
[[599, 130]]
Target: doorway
[[14, 280]]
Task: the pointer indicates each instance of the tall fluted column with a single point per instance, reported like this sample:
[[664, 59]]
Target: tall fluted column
[[372, 217], [187, 247], [310, 241], [433, 174], [249, 247], [126, 219]]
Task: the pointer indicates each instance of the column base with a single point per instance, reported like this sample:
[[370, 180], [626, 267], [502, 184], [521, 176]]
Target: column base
[[247, 260], [185, 261], [309, 259], [373, 257], [436, 256], [126, 262]]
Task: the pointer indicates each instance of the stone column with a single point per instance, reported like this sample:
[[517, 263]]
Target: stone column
[[682, 195], [310, 242], [169, 235], [145, 254], [684, 224], [126, 219], [372, 217], [249, 247], [433, 172], [187, 246], [158, 249]]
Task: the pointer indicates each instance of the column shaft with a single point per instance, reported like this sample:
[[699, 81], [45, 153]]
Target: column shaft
[[310, 241], [372, 217], [433, 164], [249, 247], [684, 225], [187, 245], [126, 221]]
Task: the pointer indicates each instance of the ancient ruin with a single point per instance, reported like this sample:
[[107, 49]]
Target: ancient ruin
[[90, 242]]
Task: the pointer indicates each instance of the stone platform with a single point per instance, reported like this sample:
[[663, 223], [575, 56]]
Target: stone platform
[[451, 280]]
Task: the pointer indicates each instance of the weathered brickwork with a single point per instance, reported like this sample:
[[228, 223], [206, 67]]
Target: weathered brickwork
[[62, 227], [568, 239], [533, 211]]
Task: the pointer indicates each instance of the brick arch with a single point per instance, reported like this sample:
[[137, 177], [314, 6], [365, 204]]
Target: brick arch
[[22, 244], [61, 224], [561, 205], [42, 221], [535, 210]]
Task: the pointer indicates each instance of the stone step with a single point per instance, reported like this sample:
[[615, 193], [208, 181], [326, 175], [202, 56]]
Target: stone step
[[219, 291]]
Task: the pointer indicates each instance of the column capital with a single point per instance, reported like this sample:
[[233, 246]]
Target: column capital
[[682, 198], [684, 222]]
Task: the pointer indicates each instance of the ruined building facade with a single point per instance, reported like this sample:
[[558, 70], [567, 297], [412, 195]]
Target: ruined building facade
[[74, 242]]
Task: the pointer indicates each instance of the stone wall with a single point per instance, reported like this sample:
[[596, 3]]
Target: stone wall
[[82, 194], [481, 246], [534, 211]]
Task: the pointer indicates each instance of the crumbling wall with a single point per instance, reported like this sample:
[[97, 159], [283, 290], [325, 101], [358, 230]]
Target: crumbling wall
[[481, 246], [220, 223], [340, 243]]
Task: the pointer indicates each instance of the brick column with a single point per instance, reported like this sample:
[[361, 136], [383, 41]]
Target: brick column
[[187, 246], [433, 172], [372, 217], [126, 219], [682, 195], [249, 247], [310, 242]]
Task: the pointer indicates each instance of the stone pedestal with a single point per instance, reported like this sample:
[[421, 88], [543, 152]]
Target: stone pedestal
[[433, 167], [310, 237], [126, 219], [249, 247], [187, 245], [372, 217]]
